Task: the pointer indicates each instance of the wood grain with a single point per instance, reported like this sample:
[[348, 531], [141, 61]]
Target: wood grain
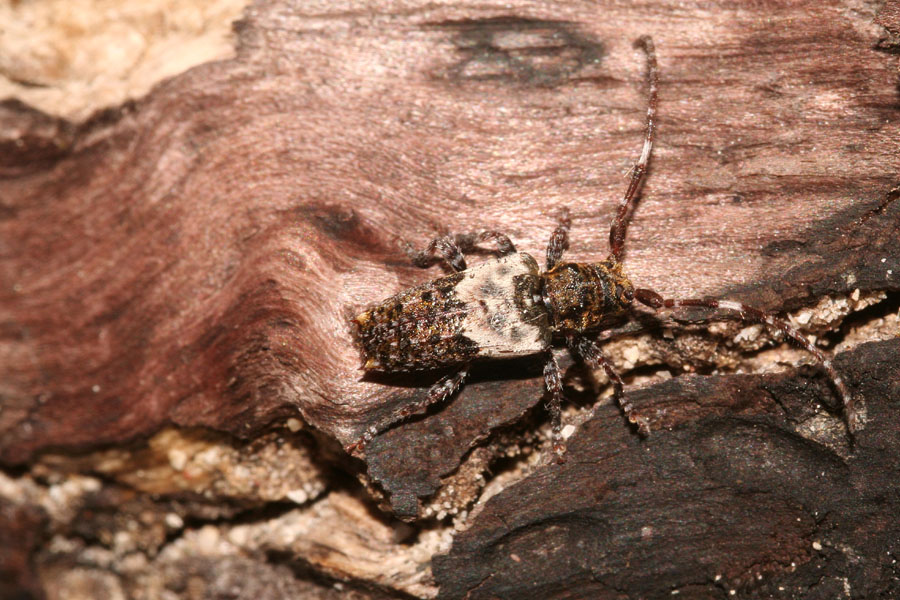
[[192, 258]]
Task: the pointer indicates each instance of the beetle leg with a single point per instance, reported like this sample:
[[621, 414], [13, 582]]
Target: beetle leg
[[590, 352], [450, 248], [438, 392], [559, 239], [553, 383], [470, 240], [445, 247]]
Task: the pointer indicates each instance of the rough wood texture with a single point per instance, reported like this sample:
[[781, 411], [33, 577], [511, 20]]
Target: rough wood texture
[[731, 499], [191, 259]]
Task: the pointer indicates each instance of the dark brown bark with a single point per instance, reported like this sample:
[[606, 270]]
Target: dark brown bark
[[192, 259], [21, 534], [730, 498]]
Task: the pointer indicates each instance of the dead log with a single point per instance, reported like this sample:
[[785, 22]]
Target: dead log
[[191, 259]]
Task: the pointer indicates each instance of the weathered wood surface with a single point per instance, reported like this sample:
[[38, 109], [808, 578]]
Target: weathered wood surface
[[191, 260]]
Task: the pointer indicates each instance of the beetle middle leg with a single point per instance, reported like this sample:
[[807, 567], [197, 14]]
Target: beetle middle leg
[[445, 247], [553, 383], [854, 412], [450, 248], [440, 391], [468, 241]]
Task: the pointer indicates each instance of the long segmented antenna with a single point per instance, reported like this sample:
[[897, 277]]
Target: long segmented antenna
[[854, 409], [620, 223]]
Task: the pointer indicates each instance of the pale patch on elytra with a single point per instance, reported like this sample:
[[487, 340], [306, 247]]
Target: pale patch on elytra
[[496, 319]]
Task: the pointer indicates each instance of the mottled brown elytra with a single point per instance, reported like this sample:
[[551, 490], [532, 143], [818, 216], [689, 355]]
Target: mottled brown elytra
[[506, 307]]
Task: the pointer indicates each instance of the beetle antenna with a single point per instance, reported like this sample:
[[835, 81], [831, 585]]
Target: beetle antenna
[[620, 223]]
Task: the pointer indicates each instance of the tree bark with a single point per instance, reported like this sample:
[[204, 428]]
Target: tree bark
[[178, 274]]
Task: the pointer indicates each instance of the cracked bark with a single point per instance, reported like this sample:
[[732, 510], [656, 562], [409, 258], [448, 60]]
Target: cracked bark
[[190, 260]]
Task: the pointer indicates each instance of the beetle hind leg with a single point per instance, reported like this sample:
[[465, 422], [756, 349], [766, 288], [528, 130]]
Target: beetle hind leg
[[440, 391]]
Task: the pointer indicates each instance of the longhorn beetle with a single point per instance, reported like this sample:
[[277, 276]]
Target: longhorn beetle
[[506, 307]]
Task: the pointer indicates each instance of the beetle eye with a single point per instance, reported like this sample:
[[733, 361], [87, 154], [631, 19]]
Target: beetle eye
[[623, 295]]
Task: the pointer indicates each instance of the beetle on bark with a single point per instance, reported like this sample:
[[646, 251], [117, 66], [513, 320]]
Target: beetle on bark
[[506, 307]]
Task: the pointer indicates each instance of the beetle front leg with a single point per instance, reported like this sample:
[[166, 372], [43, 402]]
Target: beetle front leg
[[588, 351], [559, 240]]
